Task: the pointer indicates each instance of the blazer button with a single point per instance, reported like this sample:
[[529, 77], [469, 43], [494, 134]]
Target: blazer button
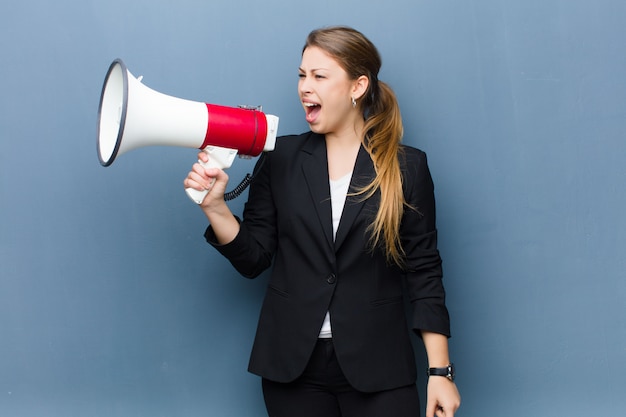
[[331, 279]]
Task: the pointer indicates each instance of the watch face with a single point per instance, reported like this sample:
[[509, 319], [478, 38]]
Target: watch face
[[451, 373]]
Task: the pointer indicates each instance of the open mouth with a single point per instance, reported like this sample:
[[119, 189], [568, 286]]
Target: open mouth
[[312, 111]]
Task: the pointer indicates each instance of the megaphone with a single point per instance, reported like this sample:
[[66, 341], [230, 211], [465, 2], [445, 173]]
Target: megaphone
[[131, 115]]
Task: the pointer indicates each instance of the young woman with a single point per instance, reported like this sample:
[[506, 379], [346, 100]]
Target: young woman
[[345, 216]]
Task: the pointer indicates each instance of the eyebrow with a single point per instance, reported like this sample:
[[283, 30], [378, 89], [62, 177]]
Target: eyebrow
[[313, 70]]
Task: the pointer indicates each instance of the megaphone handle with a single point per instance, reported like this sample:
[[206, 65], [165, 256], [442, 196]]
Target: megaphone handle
[[219, 157]]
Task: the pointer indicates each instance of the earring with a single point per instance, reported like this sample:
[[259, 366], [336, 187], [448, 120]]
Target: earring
[[353, 102]]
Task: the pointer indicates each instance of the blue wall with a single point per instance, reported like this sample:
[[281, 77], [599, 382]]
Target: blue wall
[[111, 304]]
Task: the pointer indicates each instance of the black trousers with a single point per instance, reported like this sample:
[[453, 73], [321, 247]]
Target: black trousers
[[323, 391]]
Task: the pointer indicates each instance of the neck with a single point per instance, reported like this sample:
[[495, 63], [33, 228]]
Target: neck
[[347, 138], [342, 149]]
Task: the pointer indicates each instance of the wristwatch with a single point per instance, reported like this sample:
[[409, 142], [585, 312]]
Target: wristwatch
[[447, 371]]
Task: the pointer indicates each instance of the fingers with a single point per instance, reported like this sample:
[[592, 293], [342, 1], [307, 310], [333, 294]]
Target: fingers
[[446, 410], [433, 407], [203, 156], [430, 412], [201, 178], [440, 411], [198, 178]]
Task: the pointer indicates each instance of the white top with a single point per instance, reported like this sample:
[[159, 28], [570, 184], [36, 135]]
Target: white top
[[338, 192]]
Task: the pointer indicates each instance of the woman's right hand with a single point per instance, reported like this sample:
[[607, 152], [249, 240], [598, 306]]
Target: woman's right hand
[[213, 180]]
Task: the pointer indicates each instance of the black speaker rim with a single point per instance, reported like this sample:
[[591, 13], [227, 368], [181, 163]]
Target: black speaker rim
[[117, 62]]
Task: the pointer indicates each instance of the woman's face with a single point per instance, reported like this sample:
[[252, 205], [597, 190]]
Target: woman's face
[[325, 92]]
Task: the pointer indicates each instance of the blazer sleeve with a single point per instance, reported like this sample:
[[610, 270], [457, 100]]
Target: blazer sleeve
[[423, 268], [252, 250]]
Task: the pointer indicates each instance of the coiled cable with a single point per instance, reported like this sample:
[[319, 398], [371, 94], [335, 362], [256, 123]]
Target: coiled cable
[[247, 180]]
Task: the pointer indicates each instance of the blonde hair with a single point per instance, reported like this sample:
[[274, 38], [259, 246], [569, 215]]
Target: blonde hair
[[382, 134]]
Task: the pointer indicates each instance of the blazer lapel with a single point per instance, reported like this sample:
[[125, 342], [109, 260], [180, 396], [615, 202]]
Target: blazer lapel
[[362, 175], [315, 170]]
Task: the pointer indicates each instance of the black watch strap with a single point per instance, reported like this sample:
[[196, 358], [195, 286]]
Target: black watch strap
[[447, 371]]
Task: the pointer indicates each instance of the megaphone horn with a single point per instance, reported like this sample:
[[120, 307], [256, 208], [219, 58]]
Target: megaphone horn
[[131, 115]]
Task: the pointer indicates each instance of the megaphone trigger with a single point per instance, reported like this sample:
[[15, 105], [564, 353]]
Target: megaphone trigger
[[219, 157]]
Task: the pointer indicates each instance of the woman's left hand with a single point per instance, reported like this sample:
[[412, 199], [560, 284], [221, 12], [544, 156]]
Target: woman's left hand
[[443, 398]]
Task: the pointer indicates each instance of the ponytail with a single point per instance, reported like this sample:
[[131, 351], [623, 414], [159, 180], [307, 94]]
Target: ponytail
[[383, 134]]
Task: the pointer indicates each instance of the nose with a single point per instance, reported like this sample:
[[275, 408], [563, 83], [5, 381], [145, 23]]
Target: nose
[[304, 85]]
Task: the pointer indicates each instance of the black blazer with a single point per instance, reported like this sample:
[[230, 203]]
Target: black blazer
[[287, 224]]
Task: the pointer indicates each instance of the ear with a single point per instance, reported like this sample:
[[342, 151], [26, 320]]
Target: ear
[[359, 86]]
